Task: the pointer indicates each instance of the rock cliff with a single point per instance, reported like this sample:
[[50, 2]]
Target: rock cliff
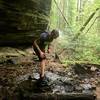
[[22, 20]]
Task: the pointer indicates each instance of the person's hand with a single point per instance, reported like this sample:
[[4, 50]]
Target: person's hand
[[42, 54], [49, 50]]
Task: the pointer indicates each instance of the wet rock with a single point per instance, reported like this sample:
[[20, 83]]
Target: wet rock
[[22, 78], [59, 89], [86, 86], [69, 73], [93, 68], [67, 81], [87, 91], [78, 88], [86, 80], [36, 75], [69, 88], [52, 76], [92, 80], [58, 83], [75, 76]]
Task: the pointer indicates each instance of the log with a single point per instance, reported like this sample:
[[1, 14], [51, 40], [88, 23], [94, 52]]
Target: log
[[68, 96]]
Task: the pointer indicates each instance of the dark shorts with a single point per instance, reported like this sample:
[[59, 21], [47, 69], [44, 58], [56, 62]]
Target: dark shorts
[[38, 54]]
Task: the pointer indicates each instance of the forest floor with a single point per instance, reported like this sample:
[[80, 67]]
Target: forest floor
[[19, 71]]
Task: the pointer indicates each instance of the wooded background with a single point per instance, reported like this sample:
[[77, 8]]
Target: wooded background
[[79, 24]]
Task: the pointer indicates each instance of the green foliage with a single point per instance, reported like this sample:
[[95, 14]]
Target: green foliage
[[87, 46]]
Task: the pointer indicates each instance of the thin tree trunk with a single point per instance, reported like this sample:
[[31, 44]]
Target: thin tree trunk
[[62, 13], [85, 24], [92, 24]]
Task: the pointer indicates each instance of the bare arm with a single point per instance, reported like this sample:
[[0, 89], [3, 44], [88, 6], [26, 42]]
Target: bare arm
[[49, 48], [42, 54], [36, 45]]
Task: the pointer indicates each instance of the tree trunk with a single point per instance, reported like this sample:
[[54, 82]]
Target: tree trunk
[[85, 24]]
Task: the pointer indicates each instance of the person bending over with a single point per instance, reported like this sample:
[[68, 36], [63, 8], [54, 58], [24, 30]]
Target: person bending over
[[39, 46]]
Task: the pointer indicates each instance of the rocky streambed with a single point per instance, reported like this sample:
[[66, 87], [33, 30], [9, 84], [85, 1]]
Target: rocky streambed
[[18, 79]]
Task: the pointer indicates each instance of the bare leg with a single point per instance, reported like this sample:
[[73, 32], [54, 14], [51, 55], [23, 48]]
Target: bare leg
[[42, 68], [42, 81]]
